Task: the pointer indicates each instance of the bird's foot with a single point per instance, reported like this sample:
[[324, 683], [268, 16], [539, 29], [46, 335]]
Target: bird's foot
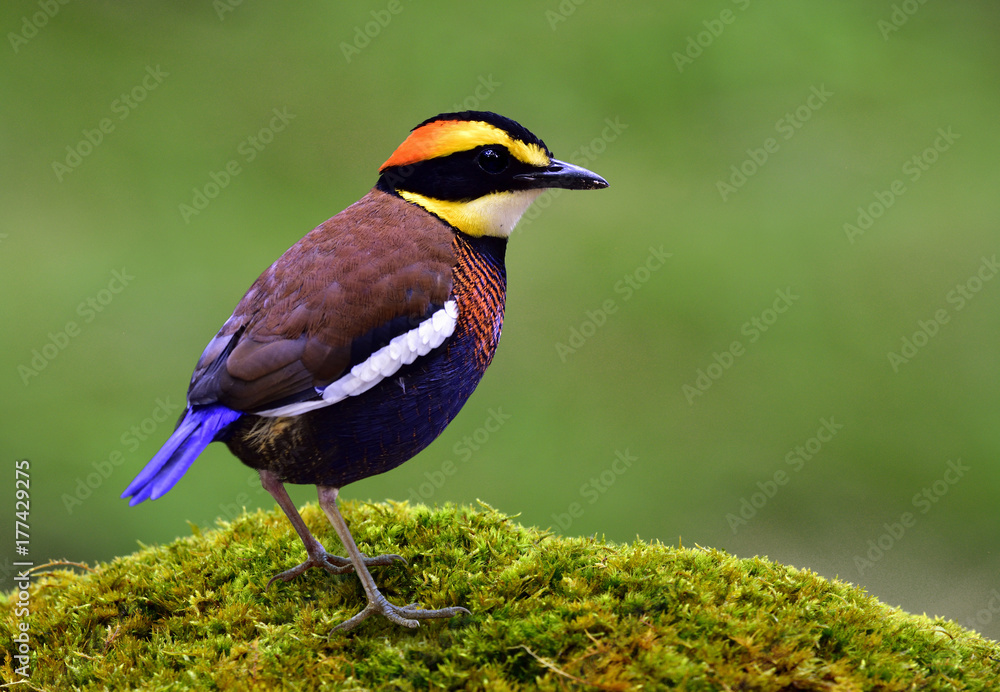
[[407, 616], [334, 564]]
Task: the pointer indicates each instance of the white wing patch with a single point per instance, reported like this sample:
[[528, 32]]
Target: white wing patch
[[402, 350]]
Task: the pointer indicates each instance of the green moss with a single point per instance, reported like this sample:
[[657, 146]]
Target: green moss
[[547, 612]]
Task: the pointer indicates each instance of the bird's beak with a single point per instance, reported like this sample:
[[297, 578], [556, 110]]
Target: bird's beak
[[564, 175]]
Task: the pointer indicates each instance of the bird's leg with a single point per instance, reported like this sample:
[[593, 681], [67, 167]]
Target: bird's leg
[[377, 603], [318, 557]]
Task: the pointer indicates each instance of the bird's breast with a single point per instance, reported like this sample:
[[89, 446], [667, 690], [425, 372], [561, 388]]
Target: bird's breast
[[480, 288]]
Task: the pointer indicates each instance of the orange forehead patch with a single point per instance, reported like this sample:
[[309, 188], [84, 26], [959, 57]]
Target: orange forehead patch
[[444, 137]]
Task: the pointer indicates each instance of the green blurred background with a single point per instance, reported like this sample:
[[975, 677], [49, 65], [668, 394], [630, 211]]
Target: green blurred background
[[847, 94]]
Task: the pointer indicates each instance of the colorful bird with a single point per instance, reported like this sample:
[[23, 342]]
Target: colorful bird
[[354, 350]]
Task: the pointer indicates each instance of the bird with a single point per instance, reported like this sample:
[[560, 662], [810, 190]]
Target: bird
[[352, 352]]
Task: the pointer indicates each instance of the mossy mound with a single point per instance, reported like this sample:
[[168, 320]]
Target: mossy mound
[[547, 612]]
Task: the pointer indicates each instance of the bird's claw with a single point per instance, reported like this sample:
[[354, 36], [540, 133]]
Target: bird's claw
[[334, 564], [407, 616]]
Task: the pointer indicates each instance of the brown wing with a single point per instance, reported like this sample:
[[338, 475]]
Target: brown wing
[[367, 274]]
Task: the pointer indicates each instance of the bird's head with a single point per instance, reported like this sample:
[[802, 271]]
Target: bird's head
[[478, 171]]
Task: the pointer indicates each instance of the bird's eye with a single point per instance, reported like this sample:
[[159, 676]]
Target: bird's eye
[[493, 159]]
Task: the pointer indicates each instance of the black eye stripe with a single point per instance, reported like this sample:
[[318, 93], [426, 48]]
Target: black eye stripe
[[459, 176]]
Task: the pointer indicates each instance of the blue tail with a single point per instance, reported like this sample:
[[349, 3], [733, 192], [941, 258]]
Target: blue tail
[[196, 430]]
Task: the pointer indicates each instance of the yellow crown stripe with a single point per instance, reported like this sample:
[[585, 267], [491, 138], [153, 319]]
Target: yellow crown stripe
[[444, 137]]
